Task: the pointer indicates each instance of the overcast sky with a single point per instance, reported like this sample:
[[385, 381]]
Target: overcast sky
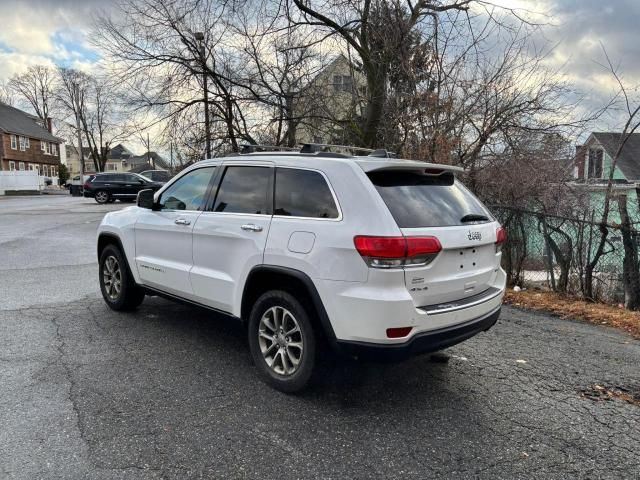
[[56, 32]]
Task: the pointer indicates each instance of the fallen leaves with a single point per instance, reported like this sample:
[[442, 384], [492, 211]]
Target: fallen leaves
[[599, 393], [568, 307]]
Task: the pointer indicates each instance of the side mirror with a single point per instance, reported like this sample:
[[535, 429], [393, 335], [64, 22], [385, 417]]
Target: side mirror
[[145, 199]]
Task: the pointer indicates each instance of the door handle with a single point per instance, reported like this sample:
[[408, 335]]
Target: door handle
[[182, 221], [252, 227]]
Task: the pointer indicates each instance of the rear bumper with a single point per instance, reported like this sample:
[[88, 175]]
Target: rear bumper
[[425, 342]]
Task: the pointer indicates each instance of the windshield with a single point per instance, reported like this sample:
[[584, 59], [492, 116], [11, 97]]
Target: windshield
[[417, 200]]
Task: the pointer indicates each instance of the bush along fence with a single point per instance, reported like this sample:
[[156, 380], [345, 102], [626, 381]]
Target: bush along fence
[[561, 253]]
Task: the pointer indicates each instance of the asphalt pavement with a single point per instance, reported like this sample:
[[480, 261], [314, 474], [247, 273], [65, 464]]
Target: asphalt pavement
[[170, 392]]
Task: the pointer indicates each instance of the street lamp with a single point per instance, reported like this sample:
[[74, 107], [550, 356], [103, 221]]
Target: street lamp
[[199, 36]]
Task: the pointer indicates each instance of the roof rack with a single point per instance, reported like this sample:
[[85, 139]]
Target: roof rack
[[320, 149], [327, 147], [250, 148]]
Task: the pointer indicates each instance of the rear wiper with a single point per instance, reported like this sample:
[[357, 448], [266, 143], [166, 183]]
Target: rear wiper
[[474, 217]]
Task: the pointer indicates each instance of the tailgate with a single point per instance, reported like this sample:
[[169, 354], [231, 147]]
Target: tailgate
[[431, 203], [467, 265]]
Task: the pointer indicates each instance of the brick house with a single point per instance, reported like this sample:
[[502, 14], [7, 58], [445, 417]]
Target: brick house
[[25, 143]]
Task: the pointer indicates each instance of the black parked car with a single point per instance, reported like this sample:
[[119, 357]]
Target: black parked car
[[109, 187]]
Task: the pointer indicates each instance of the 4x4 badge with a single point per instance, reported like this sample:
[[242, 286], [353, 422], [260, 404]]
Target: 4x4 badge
[[474, 235]]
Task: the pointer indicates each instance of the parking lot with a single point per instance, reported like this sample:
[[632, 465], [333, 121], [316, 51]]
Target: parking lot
[[170, 392]]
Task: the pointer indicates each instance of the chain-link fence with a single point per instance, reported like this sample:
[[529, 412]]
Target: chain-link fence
[[560, 253]]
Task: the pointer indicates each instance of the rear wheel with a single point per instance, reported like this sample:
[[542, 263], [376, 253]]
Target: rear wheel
[[282, 341], [102, 197], [118, 288]]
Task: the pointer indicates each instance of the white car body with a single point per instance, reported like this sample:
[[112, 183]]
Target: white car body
[[207, 258]]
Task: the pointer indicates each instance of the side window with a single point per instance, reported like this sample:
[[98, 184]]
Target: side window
[[303, 193], [188, 192], [244, 190], [131, 178]]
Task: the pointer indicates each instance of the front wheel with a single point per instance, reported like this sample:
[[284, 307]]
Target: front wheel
[[282, 341], [118, 287]]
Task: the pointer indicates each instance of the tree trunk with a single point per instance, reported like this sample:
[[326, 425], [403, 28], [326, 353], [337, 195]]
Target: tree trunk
[[376, 85], [630, 271]]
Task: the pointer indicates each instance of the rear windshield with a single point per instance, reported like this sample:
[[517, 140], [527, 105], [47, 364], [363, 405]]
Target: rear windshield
[[418, 200]]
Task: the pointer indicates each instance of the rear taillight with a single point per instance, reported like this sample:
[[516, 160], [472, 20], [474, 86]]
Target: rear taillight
[[393, 252], [501, 237], [86, 184]]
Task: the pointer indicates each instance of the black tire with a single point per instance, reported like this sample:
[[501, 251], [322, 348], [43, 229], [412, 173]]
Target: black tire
[[301, 374], [130, 295], [102, 197]]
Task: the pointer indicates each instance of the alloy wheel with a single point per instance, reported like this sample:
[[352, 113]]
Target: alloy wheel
[[112, 277], [102, 197], [280, 340]]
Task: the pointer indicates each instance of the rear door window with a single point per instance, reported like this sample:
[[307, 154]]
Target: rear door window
[[416, 199], [303, 193], [245, 190]]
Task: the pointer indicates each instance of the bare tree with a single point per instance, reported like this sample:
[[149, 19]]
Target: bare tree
[[376, 30], [36, 87], [164, 67], [94, 102], [279, 74], [6, 95]]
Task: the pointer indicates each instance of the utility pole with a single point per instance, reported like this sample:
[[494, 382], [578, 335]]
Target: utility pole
[[76, 94], [207, 127]]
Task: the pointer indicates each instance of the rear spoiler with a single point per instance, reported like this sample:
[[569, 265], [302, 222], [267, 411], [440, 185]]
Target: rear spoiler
[[376, 164]]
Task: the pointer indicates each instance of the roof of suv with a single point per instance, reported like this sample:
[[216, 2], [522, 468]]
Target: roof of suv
[[367, 163]]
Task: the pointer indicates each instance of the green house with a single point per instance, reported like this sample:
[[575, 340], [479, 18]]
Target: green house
[[592, 167]]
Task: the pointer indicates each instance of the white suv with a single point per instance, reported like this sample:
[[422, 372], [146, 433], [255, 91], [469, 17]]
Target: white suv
[[372, 256]]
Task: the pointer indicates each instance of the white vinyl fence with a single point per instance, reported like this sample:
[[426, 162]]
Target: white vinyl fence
[[22, 180]]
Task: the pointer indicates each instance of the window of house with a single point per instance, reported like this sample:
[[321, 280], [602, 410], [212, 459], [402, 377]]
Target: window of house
[[22, 144], [43, 146], [595, 162], [27, 142], [45, 170], [303, 193], [112, 167], [53, 171], [12, 166], [54, 149], [245, 190], [14, 142], [37, 168], [21, 166], [343, 83], [189, 192]]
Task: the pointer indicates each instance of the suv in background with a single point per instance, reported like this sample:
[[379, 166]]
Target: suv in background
[[159, 176], [376, 257], [109, 187]]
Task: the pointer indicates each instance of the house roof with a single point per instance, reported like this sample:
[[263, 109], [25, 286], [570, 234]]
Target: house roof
[[22, 123], [629, 160], [138, 160]]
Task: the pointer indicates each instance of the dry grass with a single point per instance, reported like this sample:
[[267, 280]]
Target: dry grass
[[567, 307]]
